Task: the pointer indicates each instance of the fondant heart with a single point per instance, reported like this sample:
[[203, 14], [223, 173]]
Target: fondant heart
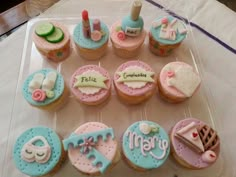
[[195, 134], [212, 155]]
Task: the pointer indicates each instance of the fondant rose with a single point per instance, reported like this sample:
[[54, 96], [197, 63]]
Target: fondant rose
[[164, 20], [121, 35], [145, 128], [96, 35], [38, 95]]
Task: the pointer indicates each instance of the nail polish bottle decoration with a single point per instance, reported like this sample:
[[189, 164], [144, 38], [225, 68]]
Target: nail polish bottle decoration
[[132, 24]]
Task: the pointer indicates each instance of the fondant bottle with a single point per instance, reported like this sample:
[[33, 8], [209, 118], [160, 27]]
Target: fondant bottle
[[132, 24]]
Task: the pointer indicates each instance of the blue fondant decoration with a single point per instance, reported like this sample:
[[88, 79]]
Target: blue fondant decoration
[[154, 156], [34, 168], [88, 43], [99, 158], [75, 139], [128, 22], [156, 31], [58, 88]]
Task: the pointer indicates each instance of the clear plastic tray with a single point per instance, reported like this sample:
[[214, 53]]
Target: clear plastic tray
[[114, 113]]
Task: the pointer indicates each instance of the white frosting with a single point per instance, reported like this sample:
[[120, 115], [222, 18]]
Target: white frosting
[[49, 81], [145, 128], [185, 80], [31, 152], [36, 82], [90, 90], [135, 84]]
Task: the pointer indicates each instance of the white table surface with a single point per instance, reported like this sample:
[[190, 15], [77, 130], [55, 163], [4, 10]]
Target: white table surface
[[219, 63]]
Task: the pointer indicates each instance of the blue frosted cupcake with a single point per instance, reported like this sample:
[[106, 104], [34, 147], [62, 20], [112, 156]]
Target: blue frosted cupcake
[[145, 145], [91, 37], [165, 35], [38, 151], [45, 89]]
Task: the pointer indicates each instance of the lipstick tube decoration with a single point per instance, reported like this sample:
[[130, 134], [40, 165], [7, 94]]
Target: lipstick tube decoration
[[86, 24]]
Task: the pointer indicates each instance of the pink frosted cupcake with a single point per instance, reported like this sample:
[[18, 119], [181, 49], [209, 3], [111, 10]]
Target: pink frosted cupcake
[[195, 144], [91, 84], [52, 40], [134, 82], [92, 148], [177, 82]]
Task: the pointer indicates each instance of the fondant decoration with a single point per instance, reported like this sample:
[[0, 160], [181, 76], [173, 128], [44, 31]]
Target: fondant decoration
[[90, 82], [209, 156], [164, 20], [56, 36], [170, 73], [86, 24], [87, 142], [49, 93], [39, 154], [36, 82], [135, 77], [32, 83], [121, 35], [156, 24], [132, 24], [146, 128], [189, 135], [185, 80], [87, 145], [47, 152], [99, 158], [146, 144], [49, 81], [96, 25], [76, 140], [209, 137], [146, 150], [96, 35], [44, 29], [38, 95]]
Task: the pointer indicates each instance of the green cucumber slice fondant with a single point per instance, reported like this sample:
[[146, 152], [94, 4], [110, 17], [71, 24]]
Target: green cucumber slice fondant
[[44, 29], [56, 36]]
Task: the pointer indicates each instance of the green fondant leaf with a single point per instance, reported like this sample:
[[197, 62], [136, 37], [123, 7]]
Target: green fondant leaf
[[118, 28]]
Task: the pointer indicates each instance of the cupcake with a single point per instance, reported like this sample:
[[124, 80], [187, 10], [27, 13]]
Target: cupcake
[[52, 40], [128, 35], [38, 152], [45, 89], [91, 37], [91, 84], [92, 148], [177, 82], [134, 82], [145, 145], [165, 35], [194, 144]]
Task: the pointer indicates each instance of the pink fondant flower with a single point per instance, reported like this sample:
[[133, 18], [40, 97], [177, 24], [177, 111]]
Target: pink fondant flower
[[96, 35], [164, 20], [121, 35], [38, 95], [87, 145], [170, 73]]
